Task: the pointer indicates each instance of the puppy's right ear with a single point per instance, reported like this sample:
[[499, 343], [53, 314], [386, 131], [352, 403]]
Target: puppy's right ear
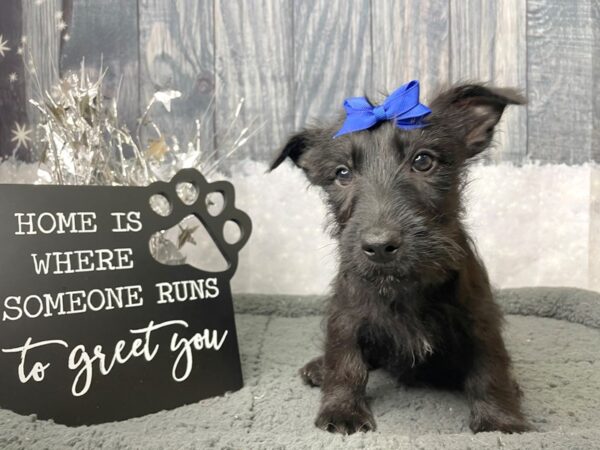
[[293, 149]]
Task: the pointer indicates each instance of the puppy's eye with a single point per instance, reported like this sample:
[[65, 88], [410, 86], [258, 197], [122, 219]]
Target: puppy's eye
[[423, 162], [343, 175]]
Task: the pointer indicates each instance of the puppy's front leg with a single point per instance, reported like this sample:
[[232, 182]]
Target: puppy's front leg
[[493, 393], [344, 407]]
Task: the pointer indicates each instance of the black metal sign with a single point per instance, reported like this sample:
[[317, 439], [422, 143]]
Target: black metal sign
[[92, 327]]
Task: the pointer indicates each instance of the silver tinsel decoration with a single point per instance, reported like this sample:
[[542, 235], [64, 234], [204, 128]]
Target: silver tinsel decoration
[[81, 142]]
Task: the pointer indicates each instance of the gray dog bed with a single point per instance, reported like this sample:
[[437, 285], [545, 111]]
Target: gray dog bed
[[552, 334]]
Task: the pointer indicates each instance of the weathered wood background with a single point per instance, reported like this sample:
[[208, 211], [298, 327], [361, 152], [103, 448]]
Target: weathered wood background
[[294, 61]]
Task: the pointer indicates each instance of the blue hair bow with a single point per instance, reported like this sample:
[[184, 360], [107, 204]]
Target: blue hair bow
[[402, 106]]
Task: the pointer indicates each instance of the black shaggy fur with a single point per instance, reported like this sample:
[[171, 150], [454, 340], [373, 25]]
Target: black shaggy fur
[[426, 311]]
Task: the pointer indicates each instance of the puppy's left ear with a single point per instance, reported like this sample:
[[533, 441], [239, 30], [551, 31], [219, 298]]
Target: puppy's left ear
[[293, 149], [300, 146], [474, 110]]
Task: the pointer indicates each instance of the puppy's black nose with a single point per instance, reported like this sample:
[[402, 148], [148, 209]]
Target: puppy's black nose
[[380, 246]]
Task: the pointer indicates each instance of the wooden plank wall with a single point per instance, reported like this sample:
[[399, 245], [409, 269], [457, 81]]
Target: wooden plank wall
[[295, 61], [42, 45], [176, 51], [594, 233], [333, 56], [488, 43], [13, 110], [105, 34], [560, 80], [411, 41], [254, 61]]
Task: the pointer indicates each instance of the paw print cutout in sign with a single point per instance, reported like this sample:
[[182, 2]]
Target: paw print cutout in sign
[[189, 194], [94, 328]]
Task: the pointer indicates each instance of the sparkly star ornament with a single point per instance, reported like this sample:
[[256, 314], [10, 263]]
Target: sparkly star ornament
[[3, 46], [165, 97], [187, 235], [21, 136], [61, 25], [13, 77]]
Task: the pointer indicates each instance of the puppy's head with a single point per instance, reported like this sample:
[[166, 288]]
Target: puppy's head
[[393, 194]]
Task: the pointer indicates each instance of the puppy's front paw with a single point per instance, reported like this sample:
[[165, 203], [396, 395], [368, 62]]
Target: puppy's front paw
[[346, 418], [499, 422]]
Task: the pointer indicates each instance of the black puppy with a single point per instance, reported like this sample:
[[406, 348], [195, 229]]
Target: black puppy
[[411, 295]]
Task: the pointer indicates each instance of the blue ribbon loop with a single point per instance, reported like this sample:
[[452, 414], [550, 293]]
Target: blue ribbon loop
[[402, 106]]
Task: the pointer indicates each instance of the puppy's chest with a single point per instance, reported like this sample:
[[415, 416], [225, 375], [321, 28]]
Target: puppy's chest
[[389, 337]]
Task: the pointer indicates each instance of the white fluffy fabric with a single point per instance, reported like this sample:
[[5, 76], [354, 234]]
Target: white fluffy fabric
[[531, 225]]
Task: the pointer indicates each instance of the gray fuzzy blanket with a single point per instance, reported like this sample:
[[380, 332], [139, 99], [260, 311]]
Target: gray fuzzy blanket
[[552, 334]]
